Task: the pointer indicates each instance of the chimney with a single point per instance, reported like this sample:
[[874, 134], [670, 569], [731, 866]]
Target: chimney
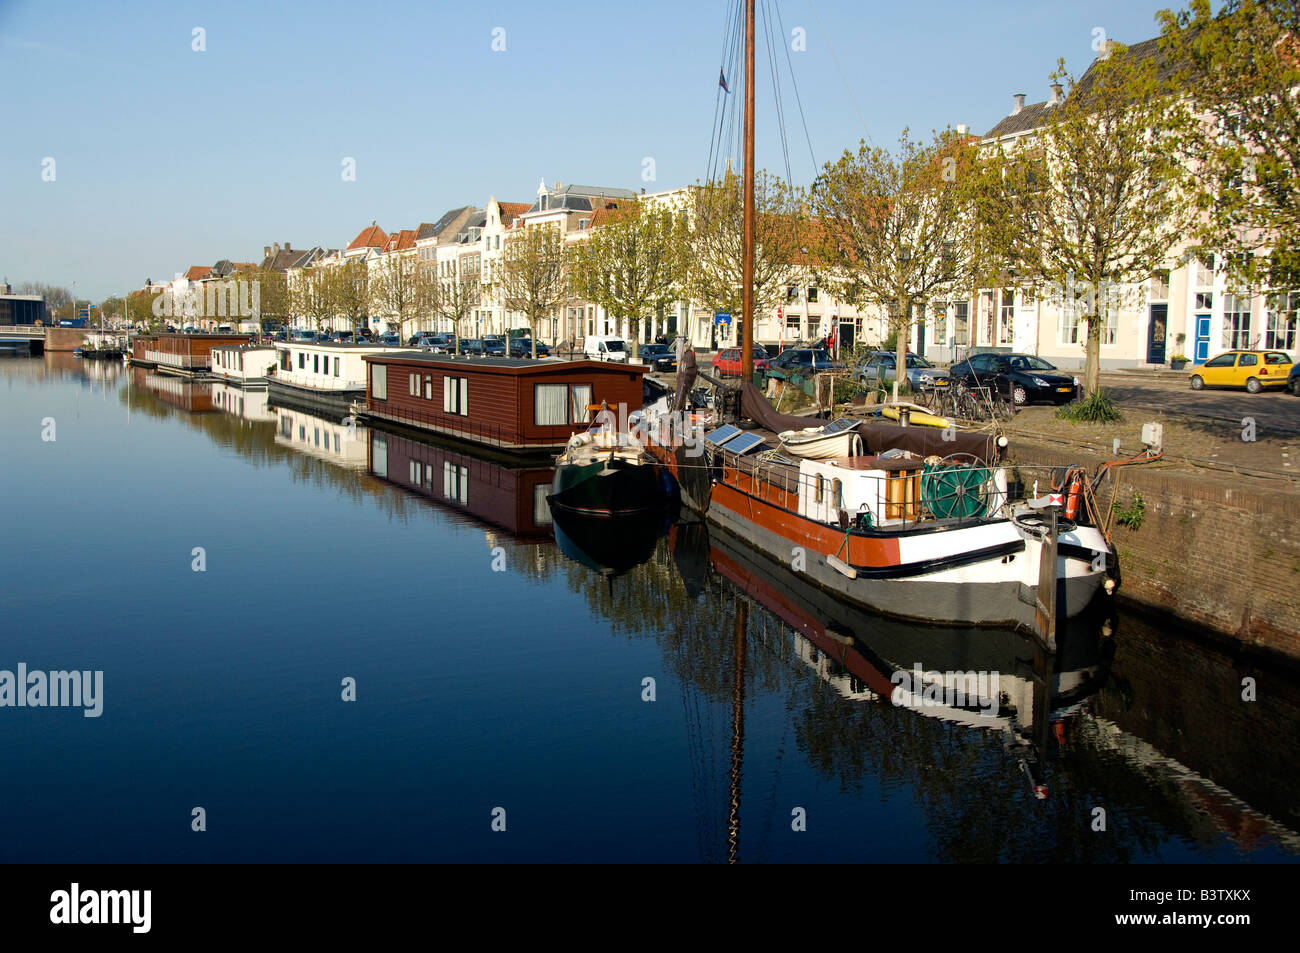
[[1057, 94], [266, 251], [961, 129], [276, 246], [287, 247], [1019, 103]]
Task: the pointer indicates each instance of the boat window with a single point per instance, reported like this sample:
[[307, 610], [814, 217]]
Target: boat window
[[580, 397], [837, 493], [550, 405], [819, 489]]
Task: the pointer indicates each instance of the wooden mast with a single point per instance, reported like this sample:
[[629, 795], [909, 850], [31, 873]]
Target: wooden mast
[[747, 269]]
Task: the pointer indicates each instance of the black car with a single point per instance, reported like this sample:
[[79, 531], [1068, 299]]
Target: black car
[[660, 357], [1293, 380], [471, 346], [1020, 378], [523, 347], [804, 360], [494, 345]]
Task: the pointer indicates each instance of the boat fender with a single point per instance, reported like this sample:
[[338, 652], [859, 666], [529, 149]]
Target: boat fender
[[841, 567]]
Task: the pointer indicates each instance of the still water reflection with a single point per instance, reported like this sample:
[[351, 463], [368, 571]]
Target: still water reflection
[[504, 660]]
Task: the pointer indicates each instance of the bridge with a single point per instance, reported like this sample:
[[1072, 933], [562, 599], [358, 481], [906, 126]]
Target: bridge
[[29, 332]]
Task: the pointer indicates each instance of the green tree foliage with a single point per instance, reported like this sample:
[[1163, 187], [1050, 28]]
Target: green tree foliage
[[633, 265], [1241, 136], [895, 229]]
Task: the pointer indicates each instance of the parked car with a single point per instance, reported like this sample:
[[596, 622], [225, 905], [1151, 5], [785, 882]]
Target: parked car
[[879, 368], [604, 347], [1293, 380], [1020, 378], [727, 361], [471, 346], [281, 336], [805, 360], [298, 334], [494, 345], [523, 347], [660, 357], [390, 340], [1253, 370], [439, 342]]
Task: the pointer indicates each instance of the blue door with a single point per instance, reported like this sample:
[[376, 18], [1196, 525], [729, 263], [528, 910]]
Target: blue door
[[1202, 339]]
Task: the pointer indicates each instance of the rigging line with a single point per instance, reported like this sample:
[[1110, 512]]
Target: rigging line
[[827, 37], [721, 96], [795, 84], [776, 89]]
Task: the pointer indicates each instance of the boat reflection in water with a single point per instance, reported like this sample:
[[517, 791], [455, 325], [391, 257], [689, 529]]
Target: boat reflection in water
[[994, 680], [340, 442], [192, 396], [609, 545]]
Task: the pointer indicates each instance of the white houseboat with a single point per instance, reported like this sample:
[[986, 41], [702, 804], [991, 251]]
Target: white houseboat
[[324, 376], [246, 366]]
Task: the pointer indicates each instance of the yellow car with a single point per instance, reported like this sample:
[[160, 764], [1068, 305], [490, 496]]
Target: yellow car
[[1253, 370]]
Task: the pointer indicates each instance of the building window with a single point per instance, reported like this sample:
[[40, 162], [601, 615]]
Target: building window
[[1236, 321], [1280, 325], [455, 395], [1160, 286], [302, 360], [1069, 323], [1109, 321], [580, 401], [315, 363], [428, 388], [793, 322], [939, 324], [1007, 316], [550, 405], [379, 381], [414, 385], [1205, 301], [961, 324], [1205, 273]]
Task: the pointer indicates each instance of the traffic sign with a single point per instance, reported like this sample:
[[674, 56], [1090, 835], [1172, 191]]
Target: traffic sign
[[722, 317]]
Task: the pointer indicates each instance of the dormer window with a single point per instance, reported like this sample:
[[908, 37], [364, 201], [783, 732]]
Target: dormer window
[[583, 223]]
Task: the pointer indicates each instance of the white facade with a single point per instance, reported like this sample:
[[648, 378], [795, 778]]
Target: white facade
[[326, 367], [243, 364]]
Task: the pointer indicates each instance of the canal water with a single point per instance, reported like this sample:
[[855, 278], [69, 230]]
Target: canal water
[[239, 571]]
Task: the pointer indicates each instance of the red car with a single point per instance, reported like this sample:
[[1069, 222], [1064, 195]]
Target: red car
[[727, 361]]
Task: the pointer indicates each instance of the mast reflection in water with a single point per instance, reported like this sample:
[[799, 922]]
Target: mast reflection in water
[[777, 729]]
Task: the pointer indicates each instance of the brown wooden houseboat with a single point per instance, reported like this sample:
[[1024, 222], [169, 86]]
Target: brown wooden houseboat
[[517, 406], [181, 353]]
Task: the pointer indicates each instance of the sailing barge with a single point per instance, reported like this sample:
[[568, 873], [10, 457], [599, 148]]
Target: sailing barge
[[923, 524]]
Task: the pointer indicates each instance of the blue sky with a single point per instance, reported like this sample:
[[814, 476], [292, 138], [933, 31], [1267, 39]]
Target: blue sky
[[166, 157]]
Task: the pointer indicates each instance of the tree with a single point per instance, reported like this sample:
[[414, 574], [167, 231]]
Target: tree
[[1094, 204], [111, 308], [400, 290], [312, 296], [1241, 134], [350, 292], [716, 213], [632, 265], [530, 281], [455, 296], [895, 228], [273, 294]]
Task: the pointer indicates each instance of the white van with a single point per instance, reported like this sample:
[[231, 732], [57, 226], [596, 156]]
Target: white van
[[605, 347]]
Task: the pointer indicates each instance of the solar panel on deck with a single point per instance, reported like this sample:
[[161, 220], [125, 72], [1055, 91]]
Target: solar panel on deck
[[722, 435], [745, 443]]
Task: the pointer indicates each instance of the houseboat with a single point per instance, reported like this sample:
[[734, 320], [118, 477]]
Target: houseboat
[[325, 377], [248, 365], [185, 354], [509, 498], [189, 395], [515, 406]]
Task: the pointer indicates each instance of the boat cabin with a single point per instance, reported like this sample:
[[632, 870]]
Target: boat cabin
[[518, 405], [185, 353], [326, 367], [243, 364]]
